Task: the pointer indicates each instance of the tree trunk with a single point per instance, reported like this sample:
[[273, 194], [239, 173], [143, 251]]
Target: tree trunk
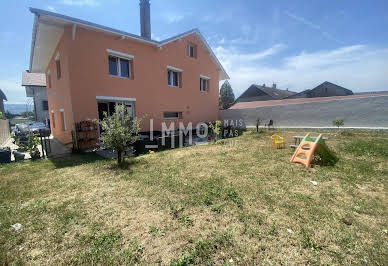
[[119, 159]]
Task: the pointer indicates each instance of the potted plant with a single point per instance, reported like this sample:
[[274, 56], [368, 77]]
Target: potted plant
[[32, 147]]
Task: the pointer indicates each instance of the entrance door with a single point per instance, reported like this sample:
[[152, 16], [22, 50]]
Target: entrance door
[[102, 108]]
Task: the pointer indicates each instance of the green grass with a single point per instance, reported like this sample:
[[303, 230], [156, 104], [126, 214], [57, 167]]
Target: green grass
[[237, 202]]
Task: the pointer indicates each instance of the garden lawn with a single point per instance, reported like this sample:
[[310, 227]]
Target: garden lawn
[[237, 202]]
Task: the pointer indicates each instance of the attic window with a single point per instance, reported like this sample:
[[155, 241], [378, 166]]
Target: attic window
[[192, 50]]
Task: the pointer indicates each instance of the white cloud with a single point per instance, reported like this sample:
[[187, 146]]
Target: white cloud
[[357, 67], [91, 3], [312, 26], [51, 8], [173, 17]]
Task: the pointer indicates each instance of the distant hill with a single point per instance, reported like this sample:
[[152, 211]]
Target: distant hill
[[17, 108]]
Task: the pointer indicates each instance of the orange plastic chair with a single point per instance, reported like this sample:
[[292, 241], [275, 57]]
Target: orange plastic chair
[[277, 141]]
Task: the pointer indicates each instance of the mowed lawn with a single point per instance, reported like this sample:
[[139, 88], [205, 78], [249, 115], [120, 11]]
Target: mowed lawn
[[238, 202]]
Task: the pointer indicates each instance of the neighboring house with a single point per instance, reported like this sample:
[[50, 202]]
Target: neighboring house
[[35, 84], [263, 93], [91, 68], [2, 99], [326, 89]]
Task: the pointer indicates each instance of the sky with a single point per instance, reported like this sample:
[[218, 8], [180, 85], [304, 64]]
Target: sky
[[295, 44]]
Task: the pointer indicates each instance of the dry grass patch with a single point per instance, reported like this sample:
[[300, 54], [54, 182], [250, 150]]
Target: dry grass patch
[[237, 202]]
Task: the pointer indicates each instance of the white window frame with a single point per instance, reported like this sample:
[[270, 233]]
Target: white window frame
[[64, 119], [171, 118], [202, 77], [179, 76], [120, 55]]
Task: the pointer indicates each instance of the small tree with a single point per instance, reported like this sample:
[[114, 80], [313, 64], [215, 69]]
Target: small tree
[[216, 128], [338, 123], [32, 146], [119, 131], [226, 96], [2, 116]]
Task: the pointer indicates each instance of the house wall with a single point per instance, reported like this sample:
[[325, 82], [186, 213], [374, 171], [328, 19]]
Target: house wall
[[39, 95], [89, 77], [59, 94]]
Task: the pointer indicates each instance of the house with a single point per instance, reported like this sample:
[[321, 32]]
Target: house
[[326, 89], [2, 99], [35, 84], [263, 93], [92, 68]]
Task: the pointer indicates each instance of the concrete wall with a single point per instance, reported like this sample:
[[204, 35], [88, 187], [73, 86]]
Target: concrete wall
[[365, 112], [4, 131]]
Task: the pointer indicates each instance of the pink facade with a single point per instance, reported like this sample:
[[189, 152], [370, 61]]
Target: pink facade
[[85, 79]]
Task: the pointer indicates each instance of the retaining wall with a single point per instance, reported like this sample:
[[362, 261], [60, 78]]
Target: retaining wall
[[369, 112]]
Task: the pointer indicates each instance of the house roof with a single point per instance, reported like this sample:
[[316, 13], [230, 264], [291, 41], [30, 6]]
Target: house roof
[[257, 90], [308, 92], [2, 96], [48, 28], [33, 79]]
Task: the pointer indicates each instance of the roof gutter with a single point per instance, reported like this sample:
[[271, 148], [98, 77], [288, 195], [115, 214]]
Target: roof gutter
[[33, 40], [87, 24]]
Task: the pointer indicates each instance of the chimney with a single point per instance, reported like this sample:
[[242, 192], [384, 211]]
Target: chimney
[[274, 86], [145, 19]]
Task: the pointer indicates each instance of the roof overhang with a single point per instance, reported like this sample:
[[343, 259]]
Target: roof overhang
[[49, 27]]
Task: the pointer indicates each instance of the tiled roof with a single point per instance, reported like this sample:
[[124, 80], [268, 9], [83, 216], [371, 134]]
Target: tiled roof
[[33, 79]]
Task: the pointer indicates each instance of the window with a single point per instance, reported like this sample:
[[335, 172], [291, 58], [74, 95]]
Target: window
[[52, 118], [119, 67], [45, 105], [49, 79], [172, 115], [192, 50], [58, 66], [204, 83], [173, 78], [63, 121]]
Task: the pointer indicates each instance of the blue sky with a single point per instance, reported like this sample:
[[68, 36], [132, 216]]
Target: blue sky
[[297, 44]]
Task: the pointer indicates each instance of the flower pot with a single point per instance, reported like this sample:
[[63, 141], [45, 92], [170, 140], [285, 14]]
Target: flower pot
[[18, 156]]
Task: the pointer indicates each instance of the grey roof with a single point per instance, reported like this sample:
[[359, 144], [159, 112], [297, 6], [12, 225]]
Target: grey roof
[[263, 93], [40, 12], [2, 96], [33, 79], [275, 93], [309, 92]]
